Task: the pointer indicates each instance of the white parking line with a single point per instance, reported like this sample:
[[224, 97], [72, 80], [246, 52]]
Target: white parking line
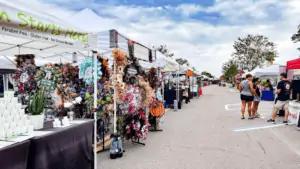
[[258, 127]]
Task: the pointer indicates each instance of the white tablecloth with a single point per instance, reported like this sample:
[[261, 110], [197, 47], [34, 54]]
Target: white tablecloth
[[294, 110]]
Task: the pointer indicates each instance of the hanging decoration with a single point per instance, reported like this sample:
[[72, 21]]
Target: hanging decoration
[[136, 126], [104, 69], [132, 70], [86, 70], [146, 91], [48, 75], [24, 77], [120, 63], [133, 100], [154, 78]]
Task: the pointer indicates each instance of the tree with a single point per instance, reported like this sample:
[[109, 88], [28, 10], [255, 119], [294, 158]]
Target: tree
[[229, 69], [206, 74], [163, 49], [296, 36], [182, 61], [252, 51]]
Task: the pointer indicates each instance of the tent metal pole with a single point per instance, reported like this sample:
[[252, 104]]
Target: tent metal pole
[[95, 107], [115, 99]]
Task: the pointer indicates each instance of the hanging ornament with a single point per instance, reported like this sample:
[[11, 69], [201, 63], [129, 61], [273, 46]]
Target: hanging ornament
[[86, 70]]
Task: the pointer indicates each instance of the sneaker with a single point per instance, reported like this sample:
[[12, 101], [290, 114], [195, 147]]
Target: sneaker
[[257, 115], [285, 122], [271, 121]]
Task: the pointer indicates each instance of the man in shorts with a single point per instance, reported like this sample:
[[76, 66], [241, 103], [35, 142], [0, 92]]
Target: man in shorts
[[283, 92]]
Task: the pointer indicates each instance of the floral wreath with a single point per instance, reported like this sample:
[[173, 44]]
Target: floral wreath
[[147, 92], [49, 72], [89, 64], [25, 85], [154, 79]]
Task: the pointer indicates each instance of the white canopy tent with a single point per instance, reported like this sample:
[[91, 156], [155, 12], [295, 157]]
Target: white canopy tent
[[24, 30], [273, 70]]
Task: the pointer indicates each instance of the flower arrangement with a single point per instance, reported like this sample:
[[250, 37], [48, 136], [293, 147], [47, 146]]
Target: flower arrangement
[[120, 63]]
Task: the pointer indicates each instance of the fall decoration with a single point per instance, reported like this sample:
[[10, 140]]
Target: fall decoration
[[146, 91]]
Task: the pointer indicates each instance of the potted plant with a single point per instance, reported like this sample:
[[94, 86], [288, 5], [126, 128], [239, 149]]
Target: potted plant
[[36, 106]]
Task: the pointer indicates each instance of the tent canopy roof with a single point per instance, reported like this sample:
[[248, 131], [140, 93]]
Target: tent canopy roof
[[293, 64], [30, 31]]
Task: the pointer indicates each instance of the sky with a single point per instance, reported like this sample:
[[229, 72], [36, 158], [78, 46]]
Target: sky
[[201, 31]]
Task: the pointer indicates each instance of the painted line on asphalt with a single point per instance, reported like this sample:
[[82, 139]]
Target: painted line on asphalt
[[258, 127]]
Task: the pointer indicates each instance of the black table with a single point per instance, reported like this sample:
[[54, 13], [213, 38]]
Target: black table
[[15, 156], [170, 96], [65, 148]]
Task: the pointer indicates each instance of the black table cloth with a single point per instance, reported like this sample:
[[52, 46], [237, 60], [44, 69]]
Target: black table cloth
[[14, 156], [170, 96], [66, 148]]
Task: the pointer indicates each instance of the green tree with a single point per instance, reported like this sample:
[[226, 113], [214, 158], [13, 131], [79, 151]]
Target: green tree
[[207, 74], [163, 49], [230, 69], [253, 51], [296, 36], [182, 61]]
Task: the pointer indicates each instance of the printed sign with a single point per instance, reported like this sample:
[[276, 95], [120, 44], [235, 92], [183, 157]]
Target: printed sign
[[47, 83], [25, 25]]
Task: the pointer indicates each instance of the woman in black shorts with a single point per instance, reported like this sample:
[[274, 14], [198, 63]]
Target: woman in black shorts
[[246, 89]]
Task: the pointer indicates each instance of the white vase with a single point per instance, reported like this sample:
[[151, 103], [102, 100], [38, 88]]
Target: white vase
[[71, 115], [37, 121]]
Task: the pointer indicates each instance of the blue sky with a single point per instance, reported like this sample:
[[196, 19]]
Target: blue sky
[[201, 31]]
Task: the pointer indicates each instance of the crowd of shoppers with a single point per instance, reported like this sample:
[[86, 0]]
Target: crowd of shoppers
[[250, 90]]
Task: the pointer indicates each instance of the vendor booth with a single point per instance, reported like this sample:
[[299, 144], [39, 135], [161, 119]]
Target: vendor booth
[[294, 106], [28, 34]]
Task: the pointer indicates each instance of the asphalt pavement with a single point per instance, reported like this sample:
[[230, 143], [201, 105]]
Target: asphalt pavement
[[209, 134]]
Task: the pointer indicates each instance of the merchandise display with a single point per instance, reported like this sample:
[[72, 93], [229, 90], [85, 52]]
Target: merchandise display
[[13, 120]]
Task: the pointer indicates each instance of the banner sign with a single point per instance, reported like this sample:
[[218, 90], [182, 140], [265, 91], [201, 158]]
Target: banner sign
[[141, 52], [14, 22]]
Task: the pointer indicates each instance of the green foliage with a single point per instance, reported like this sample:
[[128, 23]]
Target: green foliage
[[252, 51], [182, 61], [296, 36], [36, 103], [229, 69], [207, 74]]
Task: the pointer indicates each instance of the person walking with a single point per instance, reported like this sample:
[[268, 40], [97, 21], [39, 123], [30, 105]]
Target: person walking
[[246, 90], [283, 92], [257, 96]]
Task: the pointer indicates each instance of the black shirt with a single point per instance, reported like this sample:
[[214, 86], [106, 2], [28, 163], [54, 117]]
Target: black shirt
[[270, 87], [285, 86], [257, 90]]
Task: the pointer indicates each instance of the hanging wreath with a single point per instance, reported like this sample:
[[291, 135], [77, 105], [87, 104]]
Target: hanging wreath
[[132, 70], [48, 75], [136, 126], [24, 78], [146, 91], [69, 72], [154, 78], [86, 70], [133, 100]]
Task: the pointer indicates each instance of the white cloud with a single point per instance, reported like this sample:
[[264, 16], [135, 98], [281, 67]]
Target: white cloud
[[205, 45]]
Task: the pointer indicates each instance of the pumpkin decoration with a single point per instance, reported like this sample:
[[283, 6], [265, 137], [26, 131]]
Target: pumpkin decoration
[[189, 73], [157, 109]]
